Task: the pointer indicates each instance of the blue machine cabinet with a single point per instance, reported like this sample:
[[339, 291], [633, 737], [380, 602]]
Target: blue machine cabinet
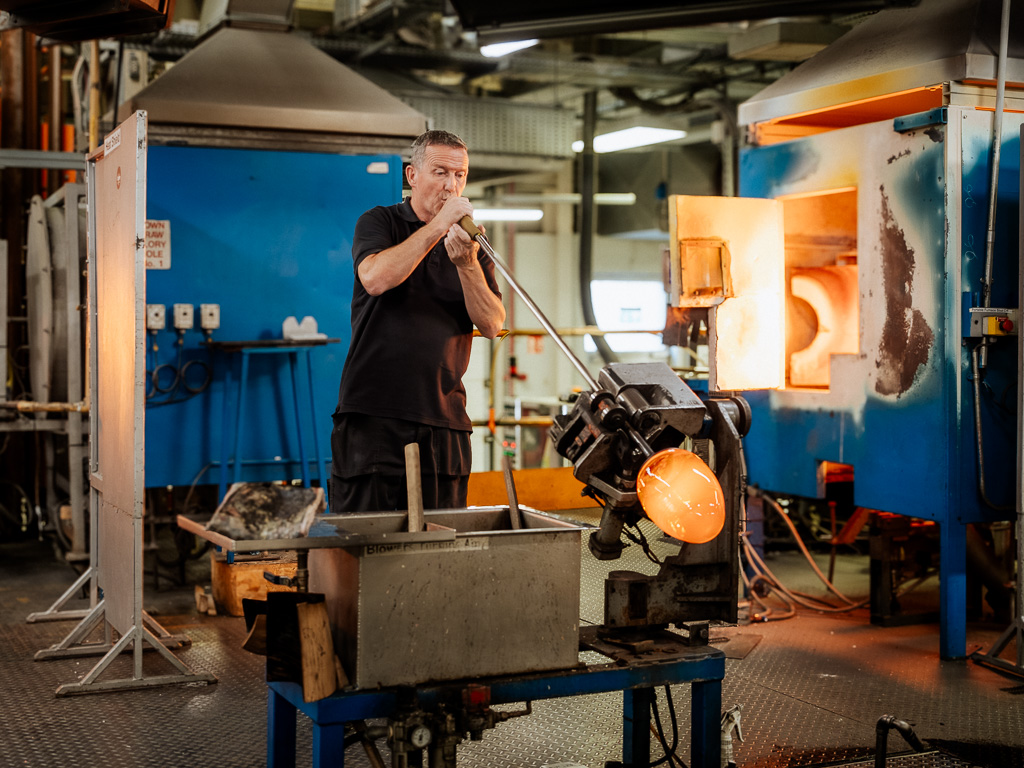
[[900, 408], [703, 668], [264, 235]]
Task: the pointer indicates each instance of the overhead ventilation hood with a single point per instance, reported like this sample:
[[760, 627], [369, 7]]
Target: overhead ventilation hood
[[896, 52], [265, 88]]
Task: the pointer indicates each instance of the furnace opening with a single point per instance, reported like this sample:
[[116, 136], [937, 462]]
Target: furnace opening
[[822, 293]]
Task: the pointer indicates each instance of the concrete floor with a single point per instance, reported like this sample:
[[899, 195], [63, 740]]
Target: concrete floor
[[811, 688]]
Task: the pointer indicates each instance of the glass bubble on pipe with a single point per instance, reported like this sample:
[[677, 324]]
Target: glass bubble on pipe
[[681, 495]]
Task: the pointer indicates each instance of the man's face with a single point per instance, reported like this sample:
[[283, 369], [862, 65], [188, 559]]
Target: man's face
[[441, 174]]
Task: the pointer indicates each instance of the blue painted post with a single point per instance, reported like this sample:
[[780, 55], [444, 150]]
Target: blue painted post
[[225, 428], [240, 412], [321, 471], [952, 588], [705, 722], [293, 360], [280, 731], [636, 726], [329, 746]]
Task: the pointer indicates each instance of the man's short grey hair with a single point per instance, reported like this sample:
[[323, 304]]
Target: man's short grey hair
[[434, 138]]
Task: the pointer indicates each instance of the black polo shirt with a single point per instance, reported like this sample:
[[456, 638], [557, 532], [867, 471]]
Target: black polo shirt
[[410, 346]]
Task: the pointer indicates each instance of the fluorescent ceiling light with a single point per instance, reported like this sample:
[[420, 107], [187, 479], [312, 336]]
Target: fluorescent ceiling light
[[572, 198], [640, 136], [507, 214], [496, 50]]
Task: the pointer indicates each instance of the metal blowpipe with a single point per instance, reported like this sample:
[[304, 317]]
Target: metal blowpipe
[[474, 232]]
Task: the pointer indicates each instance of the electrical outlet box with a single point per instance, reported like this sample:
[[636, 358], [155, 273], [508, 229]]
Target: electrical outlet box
[[156, 317], [183, 317], [209, 317]]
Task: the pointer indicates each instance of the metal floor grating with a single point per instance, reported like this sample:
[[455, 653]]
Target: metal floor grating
[[922, 760], [811, 691]]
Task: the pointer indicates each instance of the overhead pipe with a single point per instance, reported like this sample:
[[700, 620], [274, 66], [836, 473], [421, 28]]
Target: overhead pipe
[[997, 141], [56, 113], [587, 166], [94, 95], [979, 355]]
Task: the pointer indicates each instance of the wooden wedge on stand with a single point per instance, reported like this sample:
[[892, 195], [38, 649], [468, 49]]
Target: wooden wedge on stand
[[414, 487]]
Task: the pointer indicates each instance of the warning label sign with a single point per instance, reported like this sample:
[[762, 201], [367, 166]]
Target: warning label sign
[[158, 244]]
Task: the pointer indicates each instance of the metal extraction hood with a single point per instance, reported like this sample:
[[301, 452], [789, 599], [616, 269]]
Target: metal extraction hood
[[265, 86], [896, 50]]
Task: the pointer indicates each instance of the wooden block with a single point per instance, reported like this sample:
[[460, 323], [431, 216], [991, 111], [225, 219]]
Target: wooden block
[[339, 673], [414, 487], [244, 579], [204, 601], [319, 670], [256, 640], [547, 489]]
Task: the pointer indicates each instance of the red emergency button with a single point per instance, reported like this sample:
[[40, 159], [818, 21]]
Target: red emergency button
[[1006, 325]]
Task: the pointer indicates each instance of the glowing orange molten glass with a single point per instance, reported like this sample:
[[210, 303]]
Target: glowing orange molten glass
[[681, 495]]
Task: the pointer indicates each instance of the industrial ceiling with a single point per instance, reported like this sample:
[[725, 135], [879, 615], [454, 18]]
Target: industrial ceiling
[[680, 63]]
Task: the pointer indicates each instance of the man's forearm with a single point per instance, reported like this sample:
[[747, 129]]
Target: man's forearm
[[380, 272], [485, 309]]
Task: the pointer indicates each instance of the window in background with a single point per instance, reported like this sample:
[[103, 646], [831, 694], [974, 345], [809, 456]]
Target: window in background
[[623, 305]]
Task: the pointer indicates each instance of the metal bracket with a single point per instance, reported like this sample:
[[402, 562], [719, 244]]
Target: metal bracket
[[938, 116]]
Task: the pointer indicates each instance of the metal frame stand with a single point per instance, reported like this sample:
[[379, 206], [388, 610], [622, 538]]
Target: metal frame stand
[[117, 195], [704, 670], [72, 196], [245, 349]]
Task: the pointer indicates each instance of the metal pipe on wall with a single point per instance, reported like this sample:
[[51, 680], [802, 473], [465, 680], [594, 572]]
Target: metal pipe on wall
[[56, 112], [979, 355], [94, 95], [1016, 629], [993, 186], [12, 191]]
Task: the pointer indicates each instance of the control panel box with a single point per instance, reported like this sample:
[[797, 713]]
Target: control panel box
[[209, 317], [989, 321], [156, 317], [183, 319]]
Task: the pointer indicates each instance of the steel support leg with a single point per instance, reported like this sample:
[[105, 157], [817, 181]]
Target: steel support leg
[[236, 474], [280, 731], [321, 471], [705, 722], [952, 590], [329, 746], [636, 726], [225, 427], [293, 364]]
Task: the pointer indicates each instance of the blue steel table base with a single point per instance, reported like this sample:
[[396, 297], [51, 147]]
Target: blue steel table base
[[703, 668], [236, 462]]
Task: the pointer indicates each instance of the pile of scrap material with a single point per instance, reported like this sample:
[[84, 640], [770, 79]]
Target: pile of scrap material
[[267, 511]]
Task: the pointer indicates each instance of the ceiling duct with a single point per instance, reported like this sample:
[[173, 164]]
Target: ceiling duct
[[560, 18], [274, 90], [895, 51], [783, 40], [75, 20]]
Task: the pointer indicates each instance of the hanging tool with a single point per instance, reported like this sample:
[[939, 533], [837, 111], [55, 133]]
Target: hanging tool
[[513, 499]]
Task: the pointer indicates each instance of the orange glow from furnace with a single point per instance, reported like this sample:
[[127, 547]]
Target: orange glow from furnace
[[746, 336], [681, 495]]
